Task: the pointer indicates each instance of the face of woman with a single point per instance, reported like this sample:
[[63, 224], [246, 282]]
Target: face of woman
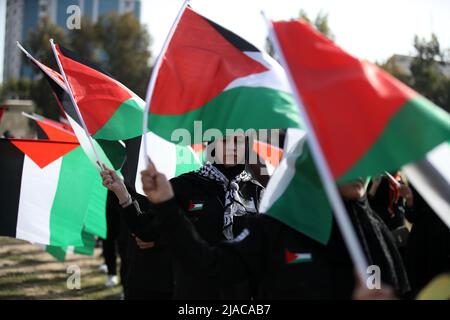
[[230, 150]]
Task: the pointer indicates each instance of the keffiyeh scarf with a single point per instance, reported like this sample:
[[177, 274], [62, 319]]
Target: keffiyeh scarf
[[235, 205]]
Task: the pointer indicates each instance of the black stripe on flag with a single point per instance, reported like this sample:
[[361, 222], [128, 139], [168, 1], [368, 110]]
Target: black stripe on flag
[[129, 169], [75, 57], [11, 166], [62, 98], [233, 38], [114, 151], [41, 135]]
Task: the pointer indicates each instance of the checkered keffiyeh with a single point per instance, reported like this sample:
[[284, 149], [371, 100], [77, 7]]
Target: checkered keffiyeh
[[235, 205]]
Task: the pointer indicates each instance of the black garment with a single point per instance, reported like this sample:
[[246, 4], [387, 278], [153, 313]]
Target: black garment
[[191, 189], [428, 249], [261, 253], [149, 272], [379, 245], [380, 203], [115, 241]]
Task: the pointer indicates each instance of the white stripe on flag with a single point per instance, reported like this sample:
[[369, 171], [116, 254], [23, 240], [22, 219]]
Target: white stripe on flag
[[285, 171], [274, 78], [37, 193], [431, 178], [163, 155]]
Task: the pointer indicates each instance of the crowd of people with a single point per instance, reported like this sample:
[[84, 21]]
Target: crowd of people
[[200, 236]]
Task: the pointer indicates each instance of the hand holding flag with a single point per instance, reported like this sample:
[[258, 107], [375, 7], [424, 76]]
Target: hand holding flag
[[114, 183], [155, 184]]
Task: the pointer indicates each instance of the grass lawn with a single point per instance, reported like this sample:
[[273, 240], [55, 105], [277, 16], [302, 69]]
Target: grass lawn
[[28, 272]]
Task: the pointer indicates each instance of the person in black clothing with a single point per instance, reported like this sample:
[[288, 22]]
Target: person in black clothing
[[216, 199], [264, 251], [115, 241], [391, 201], [428, 249], [387, 199], [149, 274], [144, 273]]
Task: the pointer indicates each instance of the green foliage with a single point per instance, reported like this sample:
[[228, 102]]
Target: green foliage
[[16, 89], [320, 22], [427, 76], [125, 45], [118, 43]]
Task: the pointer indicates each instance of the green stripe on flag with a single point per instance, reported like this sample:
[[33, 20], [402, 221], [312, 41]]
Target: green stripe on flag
[[95, 219], [304, 204], [187, 160], [114, 151], [88, 245], [59, 253], [75, 185], [237, 108], [125, 123], [417, 128]]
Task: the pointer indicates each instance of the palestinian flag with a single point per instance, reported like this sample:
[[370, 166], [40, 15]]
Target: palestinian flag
[[271, 155], [49, 191], [210, 74], [60, 253], [94, 222], [366, 121], [110, 152], [51, 130], [171, 159], [431, 178], [294, 257], [294, 194], [110, 110]]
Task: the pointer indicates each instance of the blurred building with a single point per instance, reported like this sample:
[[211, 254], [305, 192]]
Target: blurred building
[[24, 15]]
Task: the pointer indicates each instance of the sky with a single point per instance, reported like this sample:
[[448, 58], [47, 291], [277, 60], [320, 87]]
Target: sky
[[368, 29], [372, 30]]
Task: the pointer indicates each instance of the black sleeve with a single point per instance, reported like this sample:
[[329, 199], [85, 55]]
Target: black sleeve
[[140, 218], [420, 206], [228, 263], [142, 224]]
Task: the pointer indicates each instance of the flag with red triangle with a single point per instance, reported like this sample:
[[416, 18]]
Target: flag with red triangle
[[109, 109], [297, 257], [49, 192], [171, 159], [111, 153], [48, 129], [212, 75]]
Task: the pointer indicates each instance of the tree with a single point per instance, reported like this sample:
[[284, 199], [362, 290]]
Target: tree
[[84, 41], [320, 23], [426, 71], [16, 89], [118, 43], [38, 44], [125, 42], [428, 79]]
